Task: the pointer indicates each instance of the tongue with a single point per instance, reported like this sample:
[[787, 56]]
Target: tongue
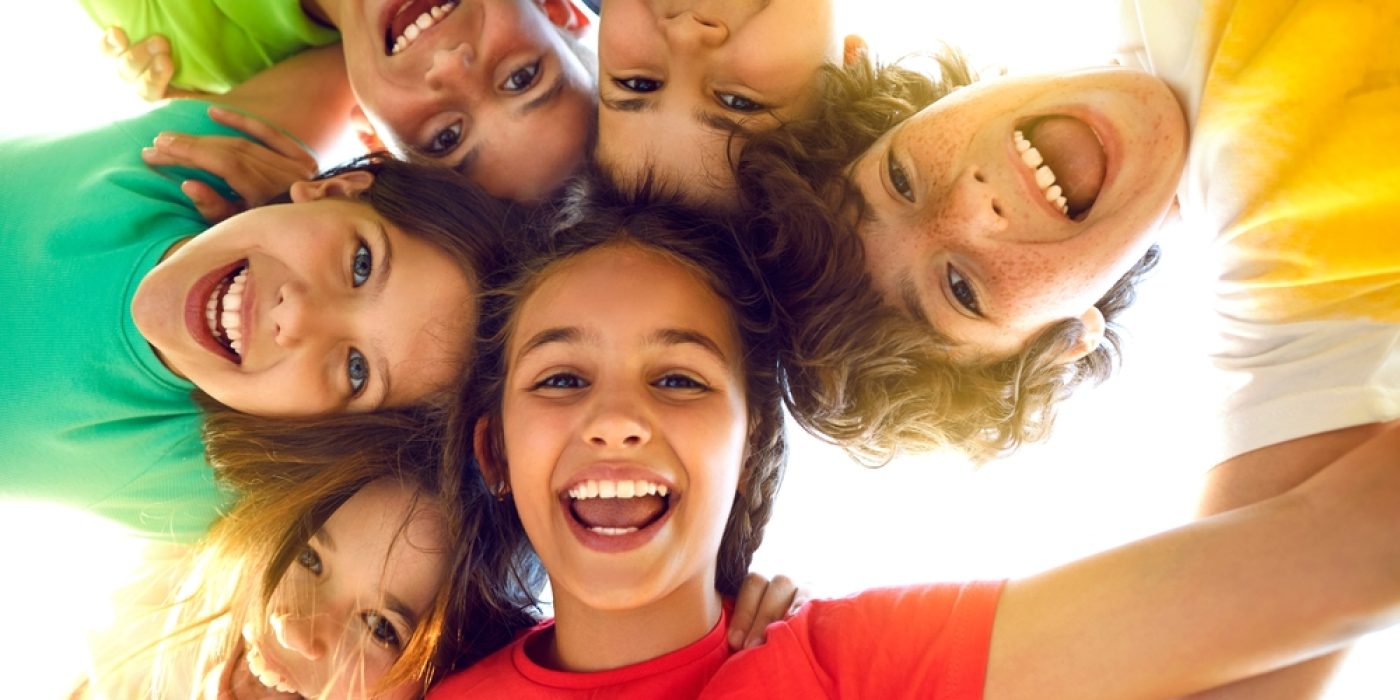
[[618, 512], [1072, 151]]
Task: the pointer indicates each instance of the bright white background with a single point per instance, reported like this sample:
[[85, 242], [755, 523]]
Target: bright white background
[[1125, 460]]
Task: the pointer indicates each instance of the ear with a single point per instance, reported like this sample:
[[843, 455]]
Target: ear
[[566, 15], [856, 49], [1089, 340], [496, 477], [364, 131], [344, 185]]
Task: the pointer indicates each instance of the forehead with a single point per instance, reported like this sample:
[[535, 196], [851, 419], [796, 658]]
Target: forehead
[[391, 530], [623, 291]]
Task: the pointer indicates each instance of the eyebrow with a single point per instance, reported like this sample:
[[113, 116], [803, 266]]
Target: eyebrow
[[634, 104], [718, 122], [325, 537], [682, 336], [549, 335], [544, 97], [394, 604], [382, 366], [909, 298]]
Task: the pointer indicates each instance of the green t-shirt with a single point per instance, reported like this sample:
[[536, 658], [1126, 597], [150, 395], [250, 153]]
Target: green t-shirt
[[217, 44], [90, 417]]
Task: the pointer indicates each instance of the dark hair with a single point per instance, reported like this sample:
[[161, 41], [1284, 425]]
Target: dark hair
[[290, 481], [596, 213], [859, 374]]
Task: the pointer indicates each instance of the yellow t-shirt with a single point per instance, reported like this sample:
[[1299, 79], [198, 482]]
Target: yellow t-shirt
[[1294, 168]]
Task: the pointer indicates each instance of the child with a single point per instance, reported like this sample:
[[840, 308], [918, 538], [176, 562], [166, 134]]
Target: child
[[358, 294], [632, 420], [495, 89], [682, 84]]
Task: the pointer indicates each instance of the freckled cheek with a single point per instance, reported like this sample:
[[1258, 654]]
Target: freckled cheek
[[1031, 286]]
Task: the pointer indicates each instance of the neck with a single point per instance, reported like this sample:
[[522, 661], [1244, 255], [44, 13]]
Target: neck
[[589, 639], [326, 12]]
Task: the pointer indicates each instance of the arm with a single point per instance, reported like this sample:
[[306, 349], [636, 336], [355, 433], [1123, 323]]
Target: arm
[[308, 95], [1222, 599]]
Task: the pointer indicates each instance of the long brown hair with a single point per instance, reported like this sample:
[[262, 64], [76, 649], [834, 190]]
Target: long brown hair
[[290, 480], [857, 373], [595, 213]]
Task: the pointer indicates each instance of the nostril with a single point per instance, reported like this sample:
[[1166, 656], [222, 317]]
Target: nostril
[[979, 177], [996, 208]]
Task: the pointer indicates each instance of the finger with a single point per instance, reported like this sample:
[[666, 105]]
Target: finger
[[774, 606], [134, 61], [270, 136], [210, 205], [156, 78], [745, 609], [113, 42]]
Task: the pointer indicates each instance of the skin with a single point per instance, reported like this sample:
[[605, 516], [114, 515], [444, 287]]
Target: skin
[[622, 391], [493, 90], [669, 65], [953, 218], [337, 620], [410, 319]]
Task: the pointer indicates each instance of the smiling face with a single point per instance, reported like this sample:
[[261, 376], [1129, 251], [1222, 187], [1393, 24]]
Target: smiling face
[[350, 601], [624, 427], [1015, 203], [669, 69], [316, 307], [487, 87]]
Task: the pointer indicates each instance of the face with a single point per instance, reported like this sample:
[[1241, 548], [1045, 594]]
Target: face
[[488, 87], [350, 601], [625, 425], [311, 308], [1016, 203], [671, 68]]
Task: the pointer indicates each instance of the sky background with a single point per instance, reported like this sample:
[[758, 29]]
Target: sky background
[[1125, 460]]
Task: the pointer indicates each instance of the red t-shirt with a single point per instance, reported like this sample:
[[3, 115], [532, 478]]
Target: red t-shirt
[[927, 641], [917, 642], [511, 674]]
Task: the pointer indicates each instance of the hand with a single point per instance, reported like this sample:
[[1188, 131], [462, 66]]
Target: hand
[[147, 64], [761, 602], [256, 170]]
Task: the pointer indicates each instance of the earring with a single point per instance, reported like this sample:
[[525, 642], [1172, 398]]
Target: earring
[[502, 490]]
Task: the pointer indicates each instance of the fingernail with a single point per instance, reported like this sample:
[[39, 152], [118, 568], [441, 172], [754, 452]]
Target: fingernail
[[164, 139], [751, 644], [148, 153]]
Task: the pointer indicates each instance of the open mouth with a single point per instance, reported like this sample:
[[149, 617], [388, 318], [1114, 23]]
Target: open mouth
[[1067, 161], [411, 20], [617, 508], [223, 313]]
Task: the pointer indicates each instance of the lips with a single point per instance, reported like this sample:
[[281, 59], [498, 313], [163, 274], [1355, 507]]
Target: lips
[[197, 309]]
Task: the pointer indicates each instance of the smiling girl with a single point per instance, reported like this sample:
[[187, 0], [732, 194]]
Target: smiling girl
[[633, 421], [356, 293]]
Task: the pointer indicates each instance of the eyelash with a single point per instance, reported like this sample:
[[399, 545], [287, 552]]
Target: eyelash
[[899, 179], [691, 384], [962, 291], [357, 371], [445, 140], [638, 84], [308, 559], [531, 76], [553, 381], [382, 632], [361, 265], [733, 102]]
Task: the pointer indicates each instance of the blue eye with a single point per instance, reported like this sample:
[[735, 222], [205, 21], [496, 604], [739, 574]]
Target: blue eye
[[381, 629], [679, 381], [962, 291], [899, 179], [638, 84], [357, 371], [522, 79], [445, 140], [362, 265], [739, 103], [308, 559], [561, 380]]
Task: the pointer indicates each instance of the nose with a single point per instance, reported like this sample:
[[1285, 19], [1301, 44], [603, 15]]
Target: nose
[[691, 31], [617, 421], [451, 67], [299, 317], [297, 634], [974, 201]]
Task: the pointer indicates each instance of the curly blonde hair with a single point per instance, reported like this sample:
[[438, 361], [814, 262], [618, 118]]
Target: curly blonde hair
[[856, 372]]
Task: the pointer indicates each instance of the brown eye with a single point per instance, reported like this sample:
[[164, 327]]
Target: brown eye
[[638, 84], [899, 179], [522, 79], [445, 140]]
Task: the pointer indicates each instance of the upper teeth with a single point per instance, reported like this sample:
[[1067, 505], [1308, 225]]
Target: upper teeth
[[625, 488], [265, 675], [1044, 176], [230, 318], [418, 26]]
